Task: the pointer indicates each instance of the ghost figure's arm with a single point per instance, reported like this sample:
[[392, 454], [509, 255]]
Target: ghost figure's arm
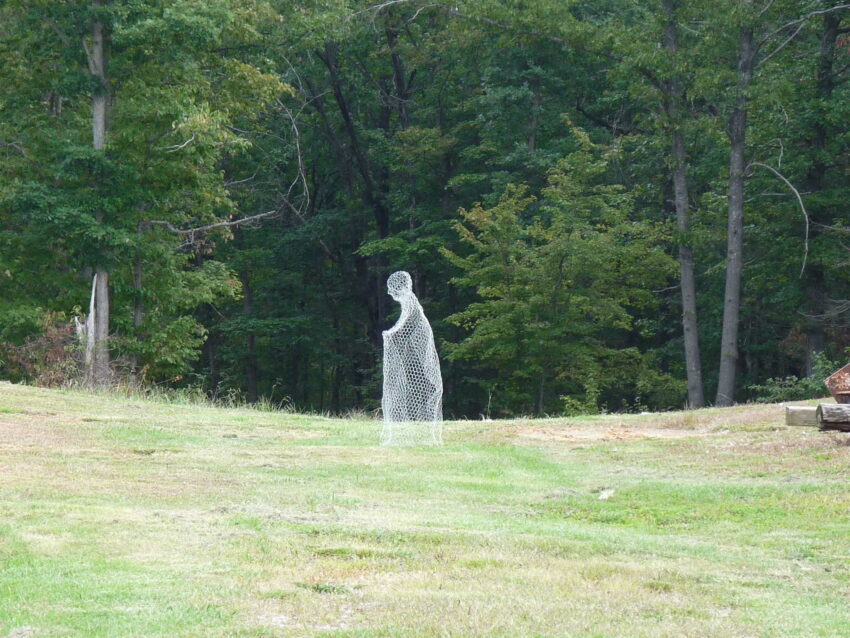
[[391, 377], [404, 317]]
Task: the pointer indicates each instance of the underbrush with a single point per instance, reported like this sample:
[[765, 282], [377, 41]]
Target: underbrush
[[792, 388]]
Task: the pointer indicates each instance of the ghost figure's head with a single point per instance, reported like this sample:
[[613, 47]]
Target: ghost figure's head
[[399, 285]]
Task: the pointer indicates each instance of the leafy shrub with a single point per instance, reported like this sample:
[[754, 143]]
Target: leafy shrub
[[52, 358], [793, 388]]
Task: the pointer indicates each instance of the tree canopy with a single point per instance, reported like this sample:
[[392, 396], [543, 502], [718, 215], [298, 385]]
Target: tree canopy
[[604, 205]]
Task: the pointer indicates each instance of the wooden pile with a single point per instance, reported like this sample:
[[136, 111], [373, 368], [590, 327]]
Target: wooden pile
[[833, 417], [801, 415], [826, 416]]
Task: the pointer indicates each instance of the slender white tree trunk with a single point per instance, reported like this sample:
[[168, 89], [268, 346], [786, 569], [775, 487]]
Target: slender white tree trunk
[[99, 373], [735, 229], [88, 331]]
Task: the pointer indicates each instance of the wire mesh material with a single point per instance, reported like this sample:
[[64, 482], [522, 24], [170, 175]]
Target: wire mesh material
[[412, 404]]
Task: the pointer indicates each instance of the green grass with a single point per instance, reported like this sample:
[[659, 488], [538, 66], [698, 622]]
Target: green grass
[[121, 517]]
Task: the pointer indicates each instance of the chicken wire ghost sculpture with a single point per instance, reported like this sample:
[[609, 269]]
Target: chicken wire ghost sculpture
[[412, 404]]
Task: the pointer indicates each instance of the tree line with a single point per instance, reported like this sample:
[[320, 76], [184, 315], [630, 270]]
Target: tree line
[[604, 205]]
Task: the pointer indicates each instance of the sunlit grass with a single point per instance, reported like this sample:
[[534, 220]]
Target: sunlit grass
[[126, 517]]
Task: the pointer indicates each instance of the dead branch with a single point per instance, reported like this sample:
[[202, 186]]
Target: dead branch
[[299, 209], [235, 182], [92, 66], [15, 145], [377, 8], [802, 209], [452, 11], [200, 230], [797, 25], [785, 43], [765, 8], [177, 147], [59, 33], [794, 23]]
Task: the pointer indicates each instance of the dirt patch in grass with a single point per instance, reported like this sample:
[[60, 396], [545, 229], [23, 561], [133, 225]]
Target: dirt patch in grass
[[632, 427], [814, 443], [584, 435], [25, 432], [800, 450], [62, 453]]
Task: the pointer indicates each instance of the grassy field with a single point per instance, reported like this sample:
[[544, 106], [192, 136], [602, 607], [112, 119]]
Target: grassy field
[[121, 517]]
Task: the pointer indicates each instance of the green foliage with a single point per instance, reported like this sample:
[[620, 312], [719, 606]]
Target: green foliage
[[792, 388], [558, 295], [560, 286], [52, 358], [175, 102]]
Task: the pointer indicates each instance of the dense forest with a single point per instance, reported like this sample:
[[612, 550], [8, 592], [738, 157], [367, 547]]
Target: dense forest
[[604, 204]]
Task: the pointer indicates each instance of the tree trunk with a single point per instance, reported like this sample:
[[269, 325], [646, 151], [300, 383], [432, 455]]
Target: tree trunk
[[100, 372], [815, 333], [673, 90], [687, 281], [541, 390], [213, 375], [814, 283], [374, 190], [371, 193], [536, 101], [138, 308], [735, 228], [88, 357], [138, 305], [250, 349], [97, 62]]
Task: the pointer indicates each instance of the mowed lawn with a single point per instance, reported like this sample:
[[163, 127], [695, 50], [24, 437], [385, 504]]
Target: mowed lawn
[[123, 517]]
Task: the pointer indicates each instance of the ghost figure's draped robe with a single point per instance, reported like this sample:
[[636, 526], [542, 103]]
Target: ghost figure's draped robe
[[413, 387]]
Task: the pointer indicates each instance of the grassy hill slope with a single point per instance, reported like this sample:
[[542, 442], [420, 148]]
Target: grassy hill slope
[[122, 517]]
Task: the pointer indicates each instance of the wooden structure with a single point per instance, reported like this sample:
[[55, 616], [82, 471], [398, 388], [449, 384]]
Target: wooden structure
[[801, 415], [838, 384], [833, 417]]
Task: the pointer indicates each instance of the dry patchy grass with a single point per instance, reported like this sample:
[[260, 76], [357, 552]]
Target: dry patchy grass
[[120, 517]]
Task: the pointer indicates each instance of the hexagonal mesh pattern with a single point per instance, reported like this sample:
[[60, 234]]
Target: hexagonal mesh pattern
[[412, 404]]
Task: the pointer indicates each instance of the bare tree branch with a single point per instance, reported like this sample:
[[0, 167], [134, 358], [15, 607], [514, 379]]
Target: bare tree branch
[[377, 8], [797, 25], [59, 33], [785, 43], [504, 25], [15, 145], [794, 23], [63, 37], [229, 183], [200, 230], [177, 147], [299, 208], [92, 66], [420, 10], [452, 11], [616, 128], [802, 209], [765, 8]]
